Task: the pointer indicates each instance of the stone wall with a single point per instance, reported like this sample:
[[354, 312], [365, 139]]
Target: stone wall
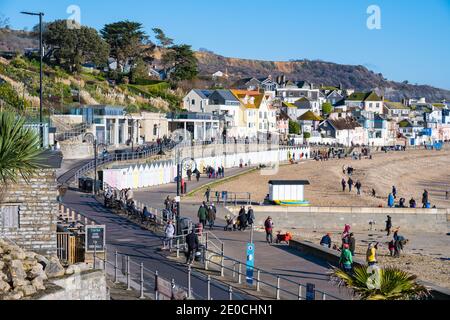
[[334, 218], [36, 224], [88, 285]]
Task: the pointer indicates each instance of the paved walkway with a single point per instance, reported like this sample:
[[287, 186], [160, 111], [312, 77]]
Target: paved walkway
[[277, 259], [143, 247]]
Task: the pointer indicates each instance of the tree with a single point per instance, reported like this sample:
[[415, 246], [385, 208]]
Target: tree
[[294, 127], [19, 150], [4, 22], [327, 108], [139, 71], [392, 284], [180, 63], [164, 41], [73, 47], [306, 135], [128, 42]]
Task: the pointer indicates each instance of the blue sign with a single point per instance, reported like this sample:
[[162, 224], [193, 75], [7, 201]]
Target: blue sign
[[250, 262], [427, 132]]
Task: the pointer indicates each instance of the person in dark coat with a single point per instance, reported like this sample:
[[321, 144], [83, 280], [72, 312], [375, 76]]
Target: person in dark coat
[[350, 184], [326, 241], [412, 203], [197, 175], [394, 192], [424, 199], [388, 225], [211, 216], [344, 184], [192, 245], [352, 243], [250, 216], [358, 186], [242, 219]]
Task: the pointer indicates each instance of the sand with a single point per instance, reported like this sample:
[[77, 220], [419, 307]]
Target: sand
[[410, 171]]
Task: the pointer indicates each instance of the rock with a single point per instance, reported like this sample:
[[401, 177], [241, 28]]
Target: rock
[[54, 268], [2, 264], [16, 295], [7, 258], [4, 286], [17, 253], [78, 268], [42, 260], [20, 282], [3, 276], [29, 264], [38, 283], [37, 271], [30, 256], [1, 250], [16, 270], [27, 290]]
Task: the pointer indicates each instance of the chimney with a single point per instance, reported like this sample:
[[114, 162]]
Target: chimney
[[283, 78]]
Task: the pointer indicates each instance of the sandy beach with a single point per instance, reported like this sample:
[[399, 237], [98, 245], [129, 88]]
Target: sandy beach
[[410, 171]]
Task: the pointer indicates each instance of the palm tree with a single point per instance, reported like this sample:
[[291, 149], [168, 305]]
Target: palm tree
[[19, 150], [390, 284]]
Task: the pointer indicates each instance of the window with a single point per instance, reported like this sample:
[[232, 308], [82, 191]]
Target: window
[[260, 126], [155, 130], [10, 217], [193, 102]]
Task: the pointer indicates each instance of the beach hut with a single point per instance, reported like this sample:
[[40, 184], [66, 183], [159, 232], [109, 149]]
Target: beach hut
[[288, 192]]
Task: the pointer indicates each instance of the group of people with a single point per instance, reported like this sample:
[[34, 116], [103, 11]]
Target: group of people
[[412, 202], [348, 246], [207, 215], [190, 173], [351, 183], [214, 173], [240, 222]]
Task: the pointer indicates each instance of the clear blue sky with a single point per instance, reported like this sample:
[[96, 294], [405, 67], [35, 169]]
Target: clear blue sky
[[413, 43]]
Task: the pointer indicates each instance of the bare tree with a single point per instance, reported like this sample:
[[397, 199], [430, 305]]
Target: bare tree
[[4, 21]]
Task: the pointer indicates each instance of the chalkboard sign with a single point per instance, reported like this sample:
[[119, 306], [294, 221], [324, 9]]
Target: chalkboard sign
[[95, 238], [310, 291]]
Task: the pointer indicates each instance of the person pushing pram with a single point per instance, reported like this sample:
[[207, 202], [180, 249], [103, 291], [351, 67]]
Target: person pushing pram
[[231, 221]]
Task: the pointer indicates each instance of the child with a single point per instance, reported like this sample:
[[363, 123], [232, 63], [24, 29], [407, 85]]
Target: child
[[391, 248]]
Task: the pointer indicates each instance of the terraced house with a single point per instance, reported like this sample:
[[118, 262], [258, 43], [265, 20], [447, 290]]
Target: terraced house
[[369, 101]]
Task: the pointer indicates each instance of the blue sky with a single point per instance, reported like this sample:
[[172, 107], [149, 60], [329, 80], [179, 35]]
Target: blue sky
[[413, 42]]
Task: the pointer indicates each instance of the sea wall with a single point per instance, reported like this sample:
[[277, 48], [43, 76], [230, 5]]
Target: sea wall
[[334, 218]]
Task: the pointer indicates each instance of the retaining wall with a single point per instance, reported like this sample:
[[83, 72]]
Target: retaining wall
[[334, 218]]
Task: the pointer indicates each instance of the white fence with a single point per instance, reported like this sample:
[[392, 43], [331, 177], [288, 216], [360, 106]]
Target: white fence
[[164, 172]]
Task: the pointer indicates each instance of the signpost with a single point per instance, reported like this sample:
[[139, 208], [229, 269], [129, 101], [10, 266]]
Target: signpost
[[250, 262], [95, 240]]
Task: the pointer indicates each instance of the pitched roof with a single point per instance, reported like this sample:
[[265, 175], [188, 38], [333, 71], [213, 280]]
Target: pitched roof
[[241, 94], [289, 105], [364, 96], [204, 94], [344, 123], [310, 116], [395, 105], [227, 94]]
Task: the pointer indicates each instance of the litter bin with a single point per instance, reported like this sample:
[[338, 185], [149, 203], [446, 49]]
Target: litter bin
[[82, 184], [88, 184]]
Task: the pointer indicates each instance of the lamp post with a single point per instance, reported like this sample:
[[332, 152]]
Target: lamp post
[[95, 145], [40, 14]]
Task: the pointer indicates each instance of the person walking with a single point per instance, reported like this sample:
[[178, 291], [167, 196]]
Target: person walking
[[202, 214], [223, 172], [346, 259], [211, 216], [391, 200], [169, 232], [250, 216], [344, 184], [394, 192], [358, 186], [350, 184], [352, 243], [208, 194], [371, 254], [192, 245], [197, 175], [268, 226], [242, 219], [374, 193], [189, 174], [424, 199], [388, 225]]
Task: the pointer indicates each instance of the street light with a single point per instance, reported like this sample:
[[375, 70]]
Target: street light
[[40, 14], [186, 164], [96, 146]]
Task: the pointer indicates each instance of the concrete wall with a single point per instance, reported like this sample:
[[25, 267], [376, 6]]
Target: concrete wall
[[76, 150], [38, 209], [89, 285], [334, 218]]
